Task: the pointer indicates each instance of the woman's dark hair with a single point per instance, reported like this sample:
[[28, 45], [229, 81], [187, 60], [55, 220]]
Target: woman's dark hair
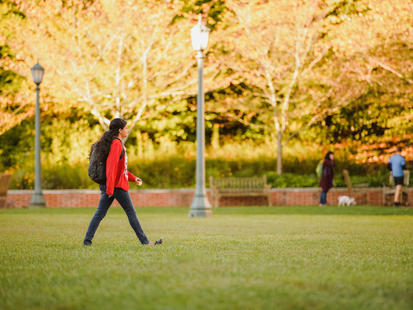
[[102, 147], [328, 155]]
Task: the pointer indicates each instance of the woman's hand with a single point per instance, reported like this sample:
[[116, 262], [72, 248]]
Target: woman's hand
[[138, 181]]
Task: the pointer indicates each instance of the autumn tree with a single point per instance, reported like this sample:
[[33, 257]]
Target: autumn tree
[[108, 58], [275, 43], [300, 58], [377, 43], [15, 105]]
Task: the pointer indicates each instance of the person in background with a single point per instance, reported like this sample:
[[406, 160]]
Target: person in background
[[327, 176], [396, 165]]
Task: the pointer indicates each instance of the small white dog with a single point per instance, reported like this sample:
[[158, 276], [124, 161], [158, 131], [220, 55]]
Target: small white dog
[[346, 201]]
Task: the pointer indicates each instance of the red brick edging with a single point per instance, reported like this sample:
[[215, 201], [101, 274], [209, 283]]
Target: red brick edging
[[183, 197]]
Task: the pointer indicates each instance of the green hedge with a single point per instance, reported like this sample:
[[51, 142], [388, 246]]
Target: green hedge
[[177, 172]]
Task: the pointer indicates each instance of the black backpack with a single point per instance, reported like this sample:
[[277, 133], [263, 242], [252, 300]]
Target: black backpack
[[97, 169]]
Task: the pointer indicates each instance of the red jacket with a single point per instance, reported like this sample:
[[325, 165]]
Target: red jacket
[[117, 174]]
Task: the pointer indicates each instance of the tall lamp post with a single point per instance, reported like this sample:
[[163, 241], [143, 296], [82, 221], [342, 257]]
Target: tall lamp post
[[38, 200], [200, 206]]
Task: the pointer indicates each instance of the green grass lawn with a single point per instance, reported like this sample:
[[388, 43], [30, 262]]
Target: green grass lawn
[[241, 258]]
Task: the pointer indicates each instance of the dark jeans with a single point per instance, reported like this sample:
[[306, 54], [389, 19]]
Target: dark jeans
[[126, 203], [323, 197]]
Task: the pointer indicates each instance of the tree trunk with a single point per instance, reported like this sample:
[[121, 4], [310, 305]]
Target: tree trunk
[[279, 153]]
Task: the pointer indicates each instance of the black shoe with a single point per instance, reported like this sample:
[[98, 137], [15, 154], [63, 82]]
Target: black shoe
[[158, 241], [87, 243], [397, 204]]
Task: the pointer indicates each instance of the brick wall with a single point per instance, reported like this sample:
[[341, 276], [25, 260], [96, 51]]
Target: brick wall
[[183, 197]]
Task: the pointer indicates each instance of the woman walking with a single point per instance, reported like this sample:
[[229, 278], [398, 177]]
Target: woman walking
[[111, 148], [327, 176]]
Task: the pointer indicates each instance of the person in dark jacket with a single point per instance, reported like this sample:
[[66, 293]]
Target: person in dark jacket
[[110, 148], [327, 177]]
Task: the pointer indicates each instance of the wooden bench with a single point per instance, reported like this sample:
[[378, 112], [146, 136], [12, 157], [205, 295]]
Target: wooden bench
[[4, 187], [388, 192], [238, 187]]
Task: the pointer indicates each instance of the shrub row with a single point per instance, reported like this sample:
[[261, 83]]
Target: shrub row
[[177, 172]]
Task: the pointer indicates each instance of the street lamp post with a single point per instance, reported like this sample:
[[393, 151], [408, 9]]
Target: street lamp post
[[200, 206], [38, 200]]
